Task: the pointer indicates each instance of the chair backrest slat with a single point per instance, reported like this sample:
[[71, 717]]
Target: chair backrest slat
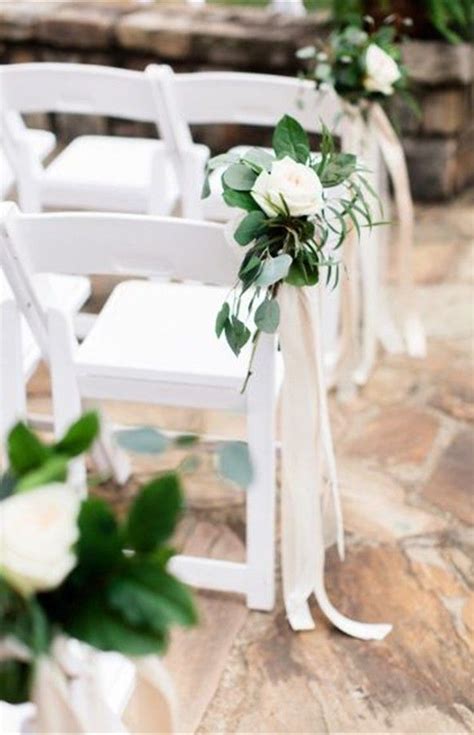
[[85, 243], [253, 99], [77, 88], [124, 244]]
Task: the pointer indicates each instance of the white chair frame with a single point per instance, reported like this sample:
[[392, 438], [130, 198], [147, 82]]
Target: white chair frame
[[147, 246], [88, 90]]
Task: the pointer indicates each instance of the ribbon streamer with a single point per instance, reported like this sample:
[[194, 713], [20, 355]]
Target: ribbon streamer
[[310, 522], [371, 137], [394, 158], [69, 696]]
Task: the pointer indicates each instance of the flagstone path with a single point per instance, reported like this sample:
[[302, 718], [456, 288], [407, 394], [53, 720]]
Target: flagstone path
[[406, 453]]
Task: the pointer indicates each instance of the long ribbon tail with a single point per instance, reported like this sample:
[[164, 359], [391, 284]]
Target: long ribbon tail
[[55, 710], [307, 449], [351, 319], [152, 705], [365, 631], [392, 153]]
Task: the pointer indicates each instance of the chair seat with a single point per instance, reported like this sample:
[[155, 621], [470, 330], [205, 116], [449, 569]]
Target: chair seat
[[42, 143], [174, 343], [70, 292], [111, 174]]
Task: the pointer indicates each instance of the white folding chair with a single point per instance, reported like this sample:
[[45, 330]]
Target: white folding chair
[[112, 173], [71, 291], [154, 342], [40, 142]]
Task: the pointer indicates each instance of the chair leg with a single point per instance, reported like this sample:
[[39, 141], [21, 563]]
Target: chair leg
[[261, 493], [12, 382], [107, 455], [368, 253], [67, 404]]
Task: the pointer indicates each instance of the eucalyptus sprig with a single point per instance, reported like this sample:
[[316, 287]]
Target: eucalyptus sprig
[[298, 207]]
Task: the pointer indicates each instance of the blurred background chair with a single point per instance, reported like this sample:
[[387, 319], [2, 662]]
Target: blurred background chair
[[100, 172]]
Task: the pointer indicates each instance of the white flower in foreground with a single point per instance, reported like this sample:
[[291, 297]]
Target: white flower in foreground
[[298, 184], [381, 71], [37, 531]]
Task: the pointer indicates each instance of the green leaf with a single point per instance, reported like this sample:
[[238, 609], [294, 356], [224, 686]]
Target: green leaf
[[240, 199], [145, 440], [338, 168], [53, 470], [155, 512], [302, 274], [307, 52], [289, 139], [274, 270], [223, 159], [234, 463], [7, 484], [186, 440], [15, 681], [237, 335], [267, 316], [206, 188], [239, 177], [25, 451], [148, 597], [259, 159], [79, 437], [99, 549], [250, 268], [252, 225], [222, 318], [99, 626]]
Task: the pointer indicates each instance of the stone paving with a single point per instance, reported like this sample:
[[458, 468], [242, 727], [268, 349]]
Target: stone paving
[[406, 453]]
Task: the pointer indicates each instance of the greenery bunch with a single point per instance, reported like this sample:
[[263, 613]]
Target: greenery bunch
[[119, 595], [341, 63], [279, 247], [453, 19]]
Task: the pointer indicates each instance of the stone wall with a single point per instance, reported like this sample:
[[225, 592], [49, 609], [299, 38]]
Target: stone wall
[[124, 33]]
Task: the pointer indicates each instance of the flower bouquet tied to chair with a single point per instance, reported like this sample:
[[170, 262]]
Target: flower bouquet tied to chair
[[364, 65], [296, 209]]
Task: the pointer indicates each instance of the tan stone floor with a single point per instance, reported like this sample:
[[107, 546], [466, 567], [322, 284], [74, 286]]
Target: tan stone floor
[[406, 453]]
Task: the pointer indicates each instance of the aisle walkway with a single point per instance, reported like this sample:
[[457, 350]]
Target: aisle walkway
[[406, 454]]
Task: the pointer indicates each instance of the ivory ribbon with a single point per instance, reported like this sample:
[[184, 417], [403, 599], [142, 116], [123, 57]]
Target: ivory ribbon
[[69, 698], [310, 522], [363, 135]]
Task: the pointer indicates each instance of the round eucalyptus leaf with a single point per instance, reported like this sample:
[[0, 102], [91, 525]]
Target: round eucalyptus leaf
[[145, 440], [267, 316], [240, 177], [274, 269], [234, 463]]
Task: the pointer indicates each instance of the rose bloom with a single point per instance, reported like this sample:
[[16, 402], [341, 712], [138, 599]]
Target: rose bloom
[[37, 531], [298, 184], [381, 71]]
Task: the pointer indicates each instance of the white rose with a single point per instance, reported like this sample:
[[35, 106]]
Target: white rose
[[381, 71], [37, 530], [298, 184]]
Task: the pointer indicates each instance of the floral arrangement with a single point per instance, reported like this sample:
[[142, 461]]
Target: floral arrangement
[[359, 64], [291, 202], [69, 567], [451, 19]]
